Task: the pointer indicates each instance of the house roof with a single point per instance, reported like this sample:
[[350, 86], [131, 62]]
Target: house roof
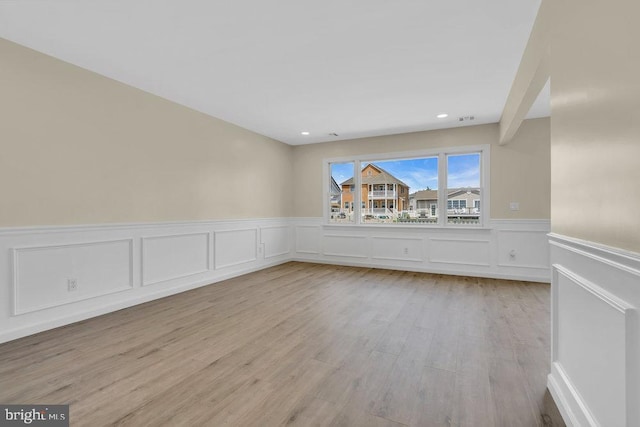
[[433, 194], [335, 188], [383, 177], [425, 195], [457, 191]]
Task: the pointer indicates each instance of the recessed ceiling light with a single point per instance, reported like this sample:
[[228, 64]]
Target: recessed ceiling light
[[304, 133], [442, 116]]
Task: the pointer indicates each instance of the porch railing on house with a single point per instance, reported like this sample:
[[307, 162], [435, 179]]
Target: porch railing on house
[[379, 211], [382, 194]]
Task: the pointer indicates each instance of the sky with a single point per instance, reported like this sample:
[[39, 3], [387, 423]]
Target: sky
[[420, 173]]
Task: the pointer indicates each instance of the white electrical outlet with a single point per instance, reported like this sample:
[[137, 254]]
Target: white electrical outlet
[[514, 206], [406, 251], [72, 285]]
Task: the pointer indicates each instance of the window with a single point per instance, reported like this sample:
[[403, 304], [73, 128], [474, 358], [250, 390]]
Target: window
[[435, 187], [339, 182], [463, 188], [456, 204]]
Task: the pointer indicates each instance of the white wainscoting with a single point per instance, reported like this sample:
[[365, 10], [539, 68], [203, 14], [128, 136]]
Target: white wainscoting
[[459, 251], [41, 273], [276, 240], [235, 247], [172, 257], [345, 246], [510, 249], [117, 266], [595, 371], [397, 248], [308, 239]]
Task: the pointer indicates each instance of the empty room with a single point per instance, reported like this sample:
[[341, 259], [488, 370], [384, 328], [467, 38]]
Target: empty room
[[364, 213]]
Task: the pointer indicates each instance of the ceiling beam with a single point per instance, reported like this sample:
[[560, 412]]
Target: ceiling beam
[[531, 77]]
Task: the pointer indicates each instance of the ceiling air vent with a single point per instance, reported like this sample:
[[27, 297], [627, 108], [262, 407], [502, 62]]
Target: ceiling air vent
[[466, 119]]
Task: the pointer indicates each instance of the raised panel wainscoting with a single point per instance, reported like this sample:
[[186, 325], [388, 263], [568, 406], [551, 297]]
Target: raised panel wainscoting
[[507, 249], [52, 276], [595, 369]]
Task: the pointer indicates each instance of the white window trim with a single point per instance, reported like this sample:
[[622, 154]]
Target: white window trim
[[441, 153]]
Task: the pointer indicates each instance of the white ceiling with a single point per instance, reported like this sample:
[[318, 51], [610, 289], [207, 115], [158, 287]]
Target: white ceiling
[[357, 68]]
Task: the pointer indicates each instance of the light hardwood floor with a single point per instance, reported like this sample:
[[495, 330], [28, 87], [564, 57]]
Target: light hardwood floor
[[305, 345]]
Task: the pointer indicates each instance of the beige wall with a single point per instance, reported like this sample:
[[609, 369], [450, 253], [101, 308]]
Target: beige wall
[[595, 126], [78, 148], [519, 170]]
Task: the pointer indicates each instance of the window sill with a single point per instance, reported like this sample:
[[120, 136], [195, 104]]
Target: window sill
[[409, 226]]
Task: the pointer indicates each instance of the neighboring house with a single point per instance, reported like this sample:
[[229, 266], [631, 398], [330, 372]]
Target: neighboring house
[[424, 203], [463, 202], [382, 193], [335, 197]]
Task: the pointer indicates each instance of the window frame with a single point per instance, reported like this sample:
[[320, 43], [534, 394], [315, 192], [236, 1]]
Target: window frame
[[441, 153]]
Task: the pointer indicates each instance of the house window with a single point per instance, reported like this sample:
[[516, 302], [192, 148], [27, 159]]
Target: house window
[[463, 188], [456, 204], [339, 182], [433, 187]]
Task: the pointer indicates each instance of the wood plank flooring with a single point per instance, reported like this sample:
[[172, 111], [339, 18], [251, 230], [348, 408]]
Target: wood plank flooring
[[302, 345]]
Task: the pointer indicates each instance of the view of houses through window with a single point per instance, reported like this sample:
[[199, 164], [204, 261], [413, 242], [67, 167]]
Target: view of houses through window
[[407, 191], [341, 196], [463, 201]]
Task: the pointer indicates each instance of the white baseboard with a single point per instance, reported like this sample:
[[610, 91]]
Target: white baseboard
[[595, 374], [116, 266]]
